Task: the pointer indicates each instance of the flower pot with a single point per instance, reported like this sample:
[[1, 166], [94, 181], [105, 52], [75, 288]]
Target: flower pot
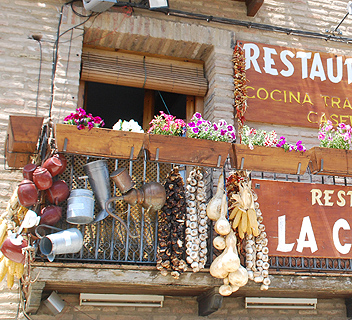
[[98, 142], [189, 151], [269, 159], [330, 161], [21, 139]]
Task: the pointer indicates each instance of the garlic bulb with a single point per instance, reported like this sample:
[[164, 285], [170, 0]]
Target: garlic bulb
[[197, 220]]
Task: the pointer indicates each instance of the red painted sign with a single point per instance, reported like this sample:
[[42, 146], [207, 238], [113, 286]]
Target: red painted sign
[[308, 220], [297, 87]]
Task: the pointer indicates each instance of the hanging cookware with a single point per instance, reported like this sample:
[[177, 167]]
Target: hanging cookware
[[122, 180], [50, 215], [27, 193], [30, 220], [12, 248], [53, 165], [42, 178], [58, 192], [63, 162], [151, 196], [98, 177], [28, 170], [62, 242], [80, 207]]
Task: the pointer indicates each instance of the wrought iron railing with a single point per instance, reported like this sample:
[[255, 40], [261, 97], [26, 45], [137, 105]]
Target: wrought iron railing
[[108, 242]]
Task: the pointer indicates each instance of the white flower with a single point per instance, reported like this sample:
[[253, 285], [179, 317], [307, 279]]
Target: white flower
[[128, 126]]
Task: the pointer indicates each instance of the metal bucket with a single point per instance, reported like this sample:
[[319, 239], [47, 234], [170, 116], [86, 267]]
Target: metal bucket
[[99, 180], [80, 207], [66, 241]]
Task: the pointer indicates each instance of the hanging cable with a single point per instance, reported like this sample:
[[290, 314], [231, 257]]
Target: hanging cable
[[241, 23], [56, 51], [38, 38], [162, 99]]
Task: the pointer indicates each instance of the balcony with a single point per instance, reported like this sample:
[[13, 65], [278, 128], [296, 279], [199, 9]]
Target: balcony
[[112, 262]]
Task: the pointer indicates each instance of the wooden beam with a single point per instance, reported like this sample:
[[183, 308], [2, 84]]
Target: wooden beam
[[253, 6], [190, 108], [149, 281], [148, 111], [209, 302]]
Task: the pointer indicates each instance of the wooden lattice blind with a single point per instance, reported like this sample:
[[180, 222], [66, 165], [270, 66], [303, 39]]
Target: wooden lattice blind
[[141, 71]]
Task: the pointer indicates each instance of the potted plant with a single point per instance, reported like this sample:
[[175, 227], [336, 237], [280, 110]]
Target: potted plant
[[333, 154], [205, 144], [122, 142], [264, 151]]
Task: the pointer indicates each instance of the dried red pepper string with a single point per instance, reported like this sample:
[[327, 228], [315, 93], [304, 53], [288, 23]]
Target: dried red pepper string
[[240, 82]]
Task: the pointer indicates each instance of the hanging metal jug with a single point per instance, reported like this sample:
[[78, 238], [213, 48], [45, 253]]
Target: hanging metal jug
[[151, 195], [65, 241], [98, 177]]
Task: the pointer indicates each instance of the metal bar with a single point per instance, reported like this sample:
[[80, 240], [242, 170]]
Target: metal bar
[[127, 245], [113, 225], [141, 240]]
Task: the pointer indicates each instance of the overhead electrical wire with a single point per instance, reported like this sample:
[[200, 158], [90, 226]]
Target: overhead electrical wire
[[241, 23]]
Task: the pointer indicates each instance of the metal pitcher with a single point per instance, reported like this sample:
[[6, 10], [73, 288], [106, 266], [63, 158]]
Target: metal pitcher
[[65, 241], [151, 196], [98, 177]]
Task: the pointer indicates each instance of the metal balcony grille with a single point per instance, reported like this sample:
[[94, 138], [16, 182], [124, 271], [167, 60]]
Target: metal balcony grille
[[108, 242]]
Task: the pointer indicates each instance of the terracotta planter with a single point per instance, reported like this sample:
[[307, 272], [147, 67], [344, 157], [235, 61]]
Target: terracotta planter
[[329, 161], [98, 142], [187, 151], [21, 140], [269, 159]]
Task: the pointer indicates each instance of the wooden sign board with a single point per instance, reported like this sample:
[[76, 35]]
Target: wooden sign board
[[297, 87], [306, 220]]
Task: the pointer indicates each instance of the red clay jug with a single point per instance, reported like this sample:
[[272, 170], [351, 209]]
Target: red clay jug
[[50, 215], [63, 161], [28, 170], [42, 178], [58, 192], [53, 165], [27, 193]]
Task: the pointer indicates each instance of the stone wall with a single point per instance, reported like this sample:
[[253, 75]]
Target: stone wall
[[22, 57], [186, 308]]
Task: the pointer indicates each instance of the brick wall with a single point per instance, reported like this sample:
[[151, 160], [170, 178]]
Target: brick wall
[[155, 33], [186, 308]]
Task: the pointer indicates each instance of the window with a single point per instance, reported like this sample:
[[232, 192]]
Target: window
[[120, 85]]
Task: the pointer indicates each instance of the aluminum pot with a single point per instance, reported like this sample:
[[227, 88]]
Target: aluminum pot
[[80, 207]]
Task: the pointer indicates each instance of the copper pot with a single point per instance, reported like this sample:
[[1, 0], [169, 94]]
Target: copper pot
[[12, 249], [53, 165], [28, 170], [42, 178], [58, 192], [27, 193], [63, 162], [50, 215]]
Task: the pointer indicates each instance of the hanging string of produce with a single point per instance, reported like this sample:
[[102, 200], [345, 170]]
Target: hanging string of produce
[[246, 218], [171, 227], [227, 265], [240, 82], [196, 220]]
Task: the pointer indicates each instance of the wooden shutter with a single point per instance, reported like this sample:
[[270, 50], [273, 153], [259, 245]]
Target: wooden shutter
[[140, 71]]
